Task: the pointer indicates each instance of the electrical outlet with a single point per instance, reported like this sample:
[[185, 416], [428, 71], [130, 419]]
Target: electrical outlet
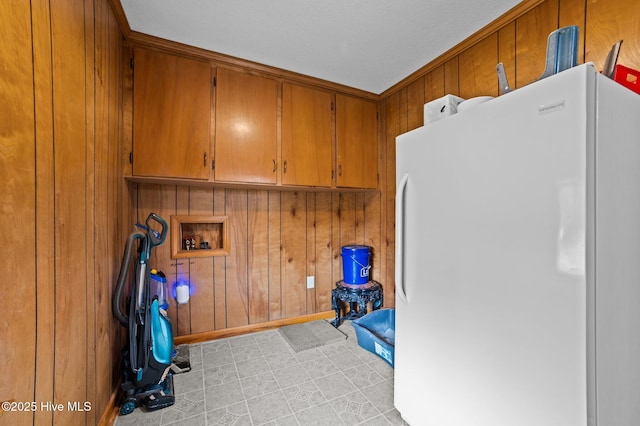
[[311, 281]]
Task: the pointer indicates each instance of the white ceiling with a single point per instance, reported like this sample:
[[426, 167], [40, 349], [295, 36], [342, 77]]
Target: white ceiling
[[365, 44]]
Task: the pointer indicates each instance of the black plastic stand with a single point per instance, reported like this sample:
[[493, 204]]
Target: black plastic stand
[[356, 296]]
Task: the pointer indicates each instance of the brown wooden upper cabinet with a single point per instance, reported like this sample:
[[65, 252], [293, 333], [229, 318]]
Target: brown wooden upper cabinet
[[175, 117], [307, 136], [356, 130], [171, 116], [246, 128]]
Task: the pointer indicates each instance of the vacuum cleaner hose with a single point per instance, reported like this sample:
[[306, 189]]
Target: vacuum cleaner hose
[[116, 301]]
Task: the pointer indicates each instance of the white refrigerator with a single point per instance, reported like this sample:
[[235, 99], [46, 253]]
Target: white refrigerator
[[518, 259]]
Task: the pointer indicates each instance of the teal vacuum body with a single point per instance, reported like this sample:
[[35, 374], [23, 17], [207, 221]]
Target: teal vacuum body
[[147, 377]]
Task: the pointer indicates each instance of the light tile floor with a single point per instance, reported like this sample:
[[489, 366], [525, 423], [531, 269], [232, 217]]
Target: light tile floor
[[257, 379]]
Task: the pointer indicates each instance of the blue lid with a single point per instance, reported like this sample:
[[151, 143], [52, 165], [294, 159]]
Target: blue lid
[[356, 247]]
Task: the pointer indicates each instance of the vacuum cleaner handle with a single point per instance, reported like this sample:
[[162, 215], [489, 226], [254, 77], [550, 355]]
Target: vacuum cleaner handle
[[116, 301], [156, 237]]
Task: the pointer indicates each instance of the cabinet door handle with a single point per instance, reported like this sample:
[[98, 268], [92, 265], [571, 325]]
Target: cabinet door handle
[[274, 166], [205, 160], [284, 166], [339, 169]]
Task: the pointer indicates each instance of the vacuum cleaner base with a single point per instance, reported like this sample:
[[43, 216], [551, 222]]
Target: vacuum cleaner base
[[152, 397]]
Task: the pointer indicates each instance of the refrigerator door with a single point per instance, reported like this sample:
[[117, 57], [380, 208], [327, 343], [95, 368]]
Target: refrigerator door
[[490, 261]]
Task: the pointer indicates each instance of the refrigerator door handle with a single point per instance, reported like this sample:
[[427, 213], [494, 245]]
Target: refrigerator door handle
[[400, 290]]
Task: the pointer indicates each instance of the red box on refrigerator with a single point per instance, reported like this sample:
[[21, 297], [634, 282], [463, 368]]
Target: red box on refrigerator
[[628, 77]]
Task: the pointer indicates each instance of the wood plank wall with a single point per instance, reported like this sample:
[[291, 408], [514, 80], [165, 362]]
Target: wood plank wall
[[63, 199], [519, 42], [278, 238]]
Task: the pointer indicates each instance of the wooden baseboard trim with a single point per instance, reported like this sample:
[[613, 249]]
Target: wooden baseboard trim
[[110, 412], [251, 328]]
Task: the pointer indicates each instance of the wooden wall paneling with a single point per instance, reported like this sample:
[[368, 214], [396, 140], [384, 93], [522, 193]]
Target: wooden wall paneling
[[125, 199], [403, 111], [359, 222], [258, 255], [415, 104], [219, 265], [127, 111], [182, 269], [532, 31], [434, 84], [323, 252], [311, 251], [348, 234], [360, 218], [92, 199], [477, 68], [201, 277], [451, 77], [44, 279], [70, 153], [275, 255], [609, 22], [106, 168], [574, 12], [392, 120], [336, 259], [109, 342], [166, 206], [106, 123], [372, 235], [507, 51], [236, 290], [375, 208], [18, 236], [68, 189], [294, 253]]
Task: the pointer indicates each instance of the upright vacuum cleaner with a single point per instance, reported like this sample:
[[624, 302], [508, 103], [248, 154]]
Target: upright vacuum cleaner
[[147, 358]]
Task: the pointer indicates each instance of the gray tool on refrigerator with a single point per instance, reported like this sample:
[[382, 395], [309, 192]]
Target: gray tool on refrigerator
[[612, 60], [562, 54]]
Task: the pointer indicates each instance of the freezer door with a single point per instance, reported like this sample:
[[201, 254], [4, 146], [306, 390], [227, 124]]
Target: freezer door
[[490, 269]]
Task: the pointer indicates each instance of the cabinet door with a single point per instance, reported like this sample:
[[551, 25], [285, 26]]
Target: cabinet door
[[246, 128], [356, 137], [171, 116], [307, 140]]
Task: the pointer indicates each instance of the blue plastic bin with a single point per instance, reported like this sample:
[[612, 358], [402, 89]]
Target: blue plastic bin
[[376, 332]]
